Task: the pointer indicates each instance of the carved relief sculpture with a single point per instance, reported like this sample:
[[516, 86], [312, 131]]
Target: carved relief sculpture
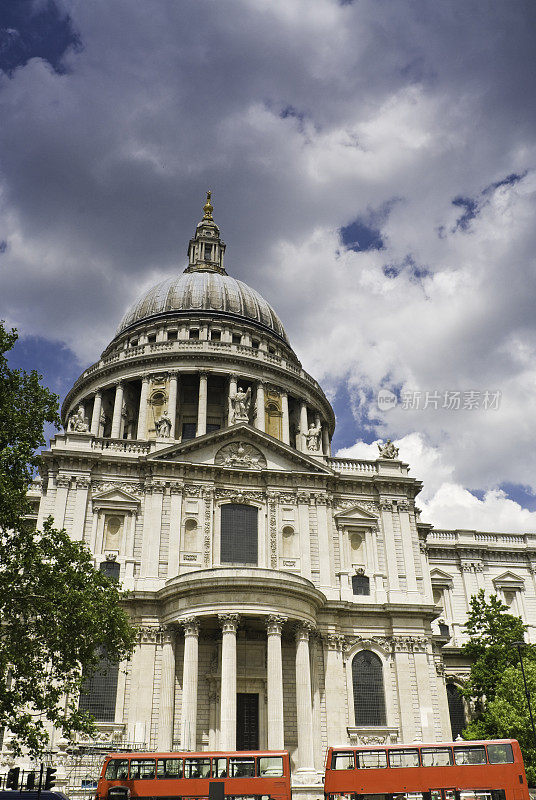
[[387, 449], [163, 426], [312, 437], [77, 421], [240, 454]]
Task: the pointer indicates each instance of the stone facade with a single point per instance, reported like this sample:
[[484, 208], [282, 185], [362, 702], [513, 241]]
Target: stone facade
[[199, 409]]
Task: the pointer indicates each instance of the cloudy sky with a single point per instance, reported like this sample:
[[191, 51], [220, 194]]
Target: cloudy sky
[[373, 167]]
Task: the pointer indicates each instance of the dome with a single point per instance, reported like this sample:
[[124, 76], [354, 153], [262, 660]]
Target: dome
[[204, 291]]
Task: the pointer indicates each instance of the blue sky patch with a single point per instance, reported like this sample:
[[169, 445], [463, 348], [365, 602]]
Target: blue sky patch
[[359, 237], [34, 30]]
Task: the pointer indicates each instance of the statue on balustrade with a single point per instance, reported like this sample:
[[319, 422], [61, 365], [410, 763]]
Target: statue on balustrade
[[77, 421], [163, 426], [387, 449], [312, 437], [241, 403]]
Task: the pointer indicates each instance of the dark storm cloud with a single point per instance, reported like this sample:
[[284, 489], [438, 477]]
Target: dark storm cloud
[[301, 117]]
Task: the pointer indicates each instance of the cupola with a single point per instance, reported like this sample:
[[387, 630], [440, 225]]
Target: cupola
[[206, 249]]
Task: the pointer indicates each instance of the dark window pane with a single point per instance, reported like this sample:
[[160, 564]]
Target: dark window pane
[[116, 769], [456, 710], [241, 767], [99, 692], [369, 699], [169, 768], [142, 769], [238, 534], [500, 754], [360, 584], [189, 430], [111, 569], [197, 768], [470, 755], [212, 426]]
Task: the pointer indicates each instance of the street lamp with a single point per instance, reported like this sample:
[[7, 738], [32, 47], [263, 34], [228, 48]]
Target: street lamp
[[519, 645]]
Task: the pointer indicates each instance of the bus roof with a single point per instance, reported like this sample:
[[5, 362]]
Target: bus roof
[[413, 745], [199, 754]]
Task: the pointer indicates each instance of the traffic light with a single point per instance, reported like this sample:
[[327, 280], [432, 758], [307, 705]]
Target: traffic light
[[13, 778], [50, 778], [30, 781]]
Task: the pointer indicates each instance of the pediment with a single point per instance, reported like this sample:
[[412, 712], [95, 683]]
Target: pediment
[[240, 447], [355, 516], [440, 578], [509, 579], [116, 499]]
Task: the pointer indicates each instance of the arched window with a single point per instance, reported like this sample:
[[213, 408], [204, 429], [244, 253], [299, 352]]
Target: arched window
[[369, 696], [238, 534], [99, 692], [456, 710], [360, 584]]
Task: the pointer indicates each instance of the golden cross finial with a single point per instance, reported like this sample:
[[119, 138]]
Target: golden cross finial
[[208, 208]]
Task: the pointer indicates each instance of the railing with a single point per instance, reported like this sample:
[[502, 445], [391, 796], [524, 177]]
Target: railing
[[484, 538], [121, 445], [198, 345], [352, 465]]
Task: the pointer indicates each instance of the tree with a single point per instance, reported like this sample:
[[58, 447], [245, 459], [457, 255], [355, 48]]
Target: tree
[[57, 611], [507, 715], [492, 631]]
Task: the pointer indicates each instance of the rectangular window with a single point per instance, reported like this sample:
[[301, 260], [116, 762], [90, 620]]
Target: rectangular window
[[197, 767], [469, 755], [116, 769], [342, 761], [371, 759], [215, 336], [194, 333], [271, 767], [500, 754], [151, 338], [219, 767], [208, 252], [188, 431], [255, 344], [237, 338], [238, 534], [98, 695], [372, 797], [212, 426], [436, 757], [403, 758], [142, 769], [475, 794], [241, 767], [169, 768], [172, 336]]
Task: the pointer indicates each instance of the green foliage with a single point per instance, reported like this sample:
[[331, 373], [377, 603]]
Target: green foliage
[[492, 632], [56, 609], [507, 715]]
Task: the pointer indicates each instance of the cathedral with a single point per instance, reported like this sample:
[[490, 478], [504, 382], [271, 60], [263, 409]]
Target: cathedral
[[284, 597]]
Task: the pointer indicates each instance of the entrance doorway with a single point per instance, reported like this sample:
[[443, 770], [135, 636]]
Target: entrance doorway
[[247, 721]]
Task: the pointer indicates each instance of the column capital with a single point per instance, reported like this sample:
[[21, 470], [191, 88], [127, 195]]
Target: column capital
[[190, 626], [303, 631], [145, 378], [335, 641], [274, 624], [98, 393], [203, 373], [229, 622]]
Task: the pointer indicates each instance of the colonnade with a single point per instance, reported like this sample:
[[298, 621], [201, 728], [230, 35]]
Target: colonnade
[[228, 691], [201, 427]]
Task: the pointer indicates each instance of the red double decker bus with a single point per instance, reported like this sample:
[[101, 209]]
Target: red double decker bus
[[490, 770], [245, 775]]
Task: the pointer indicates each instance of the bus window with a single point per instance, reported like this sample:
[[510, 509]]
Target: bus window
[[219, 767], [470, 755], [371, 759], [197, 767], [116, 769], [169, 768], [403, 758], [436, 757], [141, 769], [372, 796], [475, 794], [500, 754], [342, 761], [270, 767], [241, 767]]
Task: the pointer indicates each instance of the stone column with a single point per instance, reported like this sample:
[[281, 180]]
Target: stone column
[[95, 417], [304, 426], [172, 402], [189, 684], [142, 413], [118, 407], [335, 690], [167, 692], [274, 683], [229, 623], [202, 405], [304, 706], [285, 420], [326, 448], [232, 392], [260, 421]]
